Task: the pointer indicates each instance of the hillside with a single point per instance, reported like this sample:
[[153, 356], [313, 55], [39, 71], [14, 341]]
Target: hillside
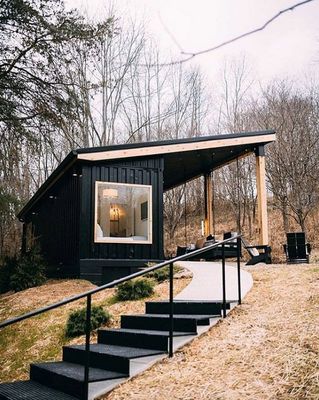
[[266, 349], [42, 337]]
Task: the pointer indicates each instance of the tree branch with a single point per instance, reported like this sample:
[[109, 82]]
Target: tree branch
[[191, 55]]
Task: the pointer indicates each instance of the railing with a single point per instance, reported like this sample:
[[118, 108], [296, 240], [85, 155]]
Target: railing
[[116, 282]]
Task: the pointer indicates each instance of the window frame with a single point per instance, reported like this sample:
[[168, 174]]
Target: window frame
[[124, 240]]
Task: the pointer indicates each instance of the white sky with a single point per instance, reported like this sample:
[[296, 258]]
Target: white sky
[[288, 48]]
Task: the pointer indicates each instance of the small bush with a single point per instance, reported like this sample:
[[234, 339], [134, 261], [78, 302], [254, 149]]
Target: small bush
[[6, 270], [162, 274], [22, 273], [135, 289], [75, 325]]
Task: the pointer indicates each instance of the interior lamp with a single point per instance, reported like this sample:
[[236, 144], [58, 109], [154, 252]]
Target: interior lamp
[[110, 193], [114, 213]]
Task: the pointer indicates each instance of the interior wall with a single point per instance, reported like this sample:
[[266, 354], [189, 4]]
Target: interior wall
[[141, 226]]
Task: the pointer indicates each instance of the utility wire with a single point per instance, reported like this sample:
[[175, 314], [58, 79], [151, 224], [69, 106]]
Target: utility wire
[[191, 55]]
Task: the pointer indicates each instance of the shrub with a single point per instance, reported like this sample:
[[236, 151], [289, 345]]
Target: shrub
[[22, 273], [76, 322], [135, 289], [162, 274], [6, 270]]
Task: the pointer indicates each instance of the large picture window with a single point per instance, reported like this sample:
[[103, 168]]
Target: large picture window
[[123, 213]]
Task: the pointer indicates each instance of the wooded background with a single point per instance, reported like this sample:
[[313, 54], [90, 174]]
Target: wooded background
[[66, 83]]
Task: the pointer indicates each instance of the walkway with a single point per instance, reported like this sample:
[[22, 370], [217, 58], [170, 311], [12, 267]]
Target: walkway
[[207, 281]]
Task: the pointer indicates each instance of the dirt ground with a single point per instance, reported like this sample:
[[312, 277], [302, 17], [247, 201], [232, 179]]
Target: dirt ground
[[268, 348]]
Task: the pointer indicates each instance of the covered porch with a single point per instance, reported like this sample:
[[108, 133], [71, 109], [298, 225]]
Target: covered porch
[[205, 158]]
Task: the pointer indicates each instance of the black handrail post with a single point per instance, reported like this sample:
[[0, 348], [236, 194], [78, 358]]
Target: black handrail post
[[224, 280], [238, 269], [87, 347], [171, 310]]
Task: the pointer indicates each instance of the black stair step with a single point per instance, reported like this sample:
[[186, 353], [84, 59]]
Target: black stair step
[[144, 339], [30, 390], [110, 357], [186, 307], [99, 358], [184, 323], [120, 351], [68, 377]]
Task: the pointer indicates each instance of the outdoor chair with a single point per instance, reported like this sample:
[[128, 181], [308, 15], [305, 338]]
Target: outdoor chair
[[297, 250], [258, 253], [230, 248], [181, 250]]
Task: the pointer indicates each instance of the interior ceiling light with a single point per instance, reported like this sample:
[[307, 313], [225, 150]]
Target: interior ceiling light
[[110, 193]]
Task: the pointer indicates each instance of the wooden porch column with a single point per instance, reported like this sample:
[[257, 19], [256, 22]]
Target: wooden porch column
[[208, 204], [261, 196]]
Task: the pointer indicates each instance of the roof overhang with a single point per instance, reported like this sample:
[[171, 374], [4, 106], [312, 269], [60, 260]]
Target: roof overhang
[[184, 159]]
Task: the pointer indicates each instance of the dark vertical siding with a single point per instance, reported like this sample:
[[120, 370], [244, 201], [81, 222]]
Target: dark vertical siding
[[63, 221], [143, 172], [55, 223]]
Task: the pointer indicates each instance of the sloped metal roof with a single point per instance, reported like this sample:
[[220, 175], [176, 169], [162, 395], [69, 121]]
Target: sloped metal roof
[[184, 159]]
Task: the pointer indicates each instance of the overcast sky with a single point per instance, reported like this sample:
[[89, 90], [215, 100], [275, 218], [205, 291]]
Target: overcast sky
[[289, 47]]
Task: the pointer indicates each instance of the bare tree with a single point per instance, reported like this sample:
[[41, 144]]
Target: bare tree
[[235, 183], [293, 164]]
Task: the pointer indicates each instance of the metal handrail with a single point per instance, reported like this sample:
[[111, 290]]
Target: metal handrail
[[115, 282], [88, 295]]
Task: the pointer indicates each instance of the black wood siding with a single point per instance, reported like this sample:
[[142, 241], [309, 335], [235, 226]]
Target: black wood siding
[[55, 223], [140, 171]]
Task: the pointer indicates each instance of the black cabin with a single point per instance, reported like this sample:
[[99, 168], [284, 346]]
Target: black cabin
[[99, 215]]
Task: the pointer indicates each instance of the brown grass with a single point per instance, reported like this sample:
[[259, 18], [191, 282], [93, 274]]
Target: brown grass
[[41, 338], [266, 349]]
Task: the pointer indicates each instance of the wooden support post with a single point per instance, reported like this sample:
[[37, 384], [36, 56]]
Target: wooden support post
[[261, 196], [208, 204]]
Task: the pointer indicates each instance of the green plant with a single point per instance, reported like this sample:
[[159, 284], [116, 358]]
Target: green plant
[[135, 289], [76, 322], [19, 273], [162, 274], [6, 270]]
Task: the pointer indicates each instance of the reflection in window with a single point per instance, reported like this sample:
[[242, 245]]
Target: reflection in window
[[123, 213]]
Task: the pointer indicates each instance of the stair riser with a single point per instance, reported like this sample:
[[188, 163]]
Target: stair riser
[[97, 360], [203, 322], [143, 341], [156, 324], [58, 382], [185, 308]]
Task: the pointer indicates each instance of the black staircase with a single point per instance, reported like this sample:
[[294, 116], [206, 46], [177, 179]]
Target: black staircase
[[143, 335]]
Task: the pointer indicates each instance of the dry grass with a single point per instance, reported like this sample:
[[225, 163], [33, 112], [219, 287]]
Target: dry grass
[[41, 338], [266, 349]]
